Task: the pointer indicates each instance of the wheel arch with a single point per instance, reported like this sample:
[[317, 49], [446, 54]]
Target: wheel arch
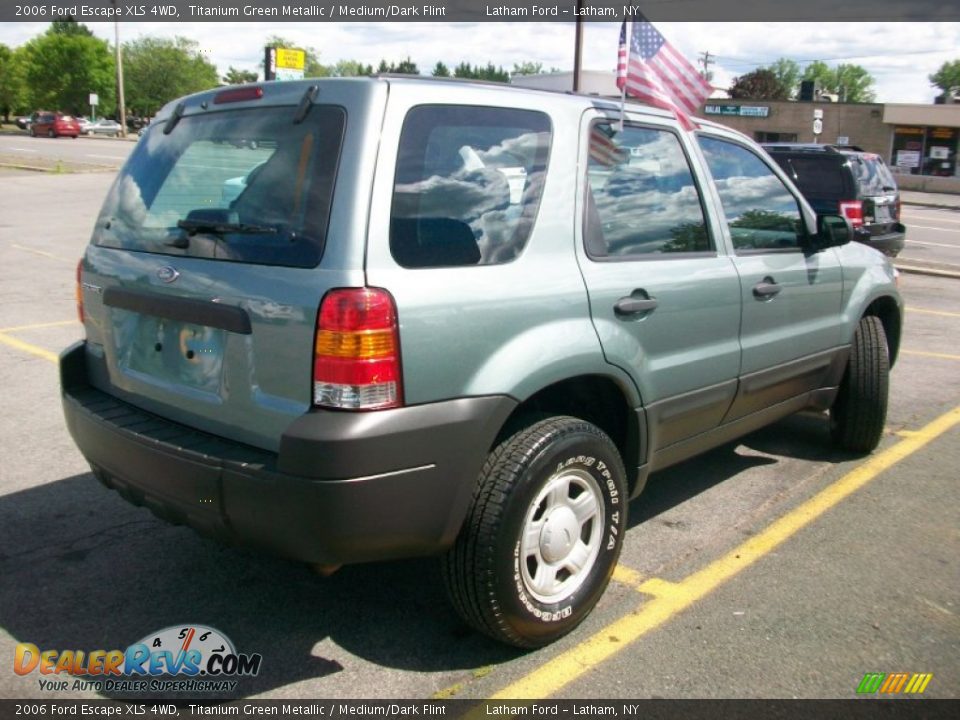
[[599, 399]]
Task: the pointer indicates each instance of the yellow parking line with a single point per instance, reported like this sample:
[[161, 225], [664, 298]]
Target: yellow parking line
[[43, 253], [924, 311], [37, 326], [627, 576], [941, 356], [28, 348], [574, 663]]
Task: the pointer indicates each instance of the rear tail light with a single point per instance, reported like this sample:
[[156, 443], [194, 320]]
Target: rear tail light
[[356, 364], [79, 291], [852, 210]]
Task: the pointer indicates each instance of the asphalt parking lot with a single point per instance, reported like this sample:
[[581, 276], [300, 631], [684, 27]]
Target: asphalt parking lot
[[771, 567]]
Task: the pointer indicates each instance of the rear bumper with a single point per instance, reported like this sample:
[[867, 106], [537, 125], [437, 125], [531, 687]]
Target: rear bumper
[[345, 487], [888, 243]]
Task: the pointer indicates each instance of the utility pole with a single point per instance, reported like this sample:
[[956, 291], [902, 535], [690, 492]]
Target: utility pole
[[706, 60], [120, 101]]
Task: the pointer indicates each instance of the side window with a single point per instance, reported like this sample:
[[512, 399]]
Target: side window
[[641, 196], [468, 184], [761, 213]]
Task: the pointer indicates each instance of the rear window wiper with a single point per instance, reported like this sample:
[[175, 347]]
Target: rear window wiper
[[222, 228]]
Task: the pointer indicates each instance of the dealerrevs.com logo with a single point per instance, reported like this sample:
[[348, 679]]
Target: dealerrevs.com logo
[[180, 658]]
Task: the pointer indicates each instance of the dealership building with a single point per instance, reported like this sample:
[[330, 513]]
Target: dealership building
[[918, 141]]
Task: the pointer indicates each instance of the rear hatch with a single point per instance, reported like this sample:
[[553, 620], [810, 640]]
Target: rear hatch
[[215, 246], [877, 189]]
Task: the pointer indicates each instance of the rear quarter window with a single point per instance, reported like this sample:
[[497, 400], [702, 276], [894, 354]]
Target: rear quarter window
[[816, 176], [468, 184]]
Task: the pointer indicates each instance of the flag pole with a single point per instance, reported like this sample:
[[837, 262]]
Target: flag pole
[[628, 38]]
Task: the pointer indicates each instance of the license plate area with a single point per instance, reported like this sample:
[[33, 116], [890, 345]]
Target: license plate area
[[169, 351]]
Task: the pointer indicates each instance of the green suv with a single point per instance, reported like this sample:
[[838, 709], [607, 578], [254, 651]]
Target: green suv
[[362, 319]]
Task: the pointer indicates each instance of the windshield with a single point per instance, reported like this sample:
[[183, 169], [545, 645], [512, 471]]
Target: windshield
[[240, 185]]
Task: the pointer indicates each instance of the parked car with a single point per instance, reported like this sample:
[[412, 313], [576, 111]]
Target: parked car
[[23, 122], [455, 319], [54, 124], [843, 179], [104, 126]]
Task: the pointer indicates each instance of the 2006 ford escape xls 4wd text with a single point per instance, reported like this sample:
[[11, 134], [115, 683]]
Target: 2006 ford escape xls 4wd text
[[379, 318]]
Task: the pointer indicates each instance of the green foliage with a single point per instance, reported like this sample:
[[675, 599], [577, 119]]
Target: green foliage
[[351, 68], [490, 73], [158, 70], [404, 67], [13, 89], [440, 70], [852, 83], [787, 72], [947, 78], [527, 68], [239, 77], [63, 66], [69, 27], [761, 84]]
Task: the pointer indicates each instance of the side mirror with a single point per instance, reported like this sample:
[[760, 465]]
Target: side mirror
[[832, 231]]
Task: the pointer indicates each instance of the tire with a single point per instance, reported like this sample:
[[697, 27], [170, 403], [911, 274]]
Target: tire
[[860, 409], [516, 573]]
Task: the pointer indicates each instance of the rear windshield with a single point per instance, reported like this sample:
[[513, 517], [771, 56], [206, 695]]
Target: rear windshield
[[873, 176], [241, 185], [817, 176]]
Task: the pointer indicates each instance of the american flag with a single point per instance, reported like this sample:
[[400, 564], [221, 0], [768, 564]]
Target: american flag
[[653, 71]]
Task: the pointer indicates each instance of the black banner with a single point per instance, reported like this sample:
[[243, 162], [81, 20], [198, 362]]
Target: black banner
[[477, 10], [860, 709]]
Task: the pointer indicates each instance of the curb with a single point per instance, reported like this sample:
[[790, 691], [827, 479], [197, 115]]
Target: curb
[[933, 272], [938, 206]]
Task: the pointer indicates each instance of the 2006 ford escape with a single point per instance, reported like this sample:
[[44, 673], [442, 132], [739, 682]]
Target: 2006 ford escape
[[368, 319]]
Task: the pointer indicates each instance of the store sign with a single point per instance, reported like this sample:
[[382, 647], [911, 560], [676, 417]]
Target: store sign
[[738, 110]]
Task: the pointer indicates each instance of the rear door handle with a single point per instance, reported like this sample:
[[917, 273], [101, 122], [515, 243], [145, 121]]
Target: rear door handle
[[633, 305], [766, 289]]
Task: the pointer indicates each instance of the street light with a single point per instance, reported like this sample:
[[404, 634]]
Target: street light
[[120, 100]]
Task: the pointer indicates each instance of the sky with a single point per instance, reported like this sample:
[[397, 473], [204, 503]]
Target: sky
[[900, 56]]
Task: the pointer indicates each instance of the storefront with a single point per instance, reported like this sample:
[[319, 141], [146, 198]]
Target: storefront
[[925, 139]]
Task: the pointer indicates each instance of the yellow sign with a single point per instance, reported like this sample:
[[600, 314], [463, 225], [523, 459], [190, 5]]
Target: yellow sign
[[290, 59]]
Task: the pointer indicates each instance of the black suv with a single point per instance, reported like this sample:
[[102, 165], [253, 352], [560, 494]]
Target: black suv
[[845, 180]]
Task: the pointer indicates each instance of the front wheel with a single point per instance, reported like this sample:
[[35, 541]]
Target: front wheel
[[860, 410], [543, 535]]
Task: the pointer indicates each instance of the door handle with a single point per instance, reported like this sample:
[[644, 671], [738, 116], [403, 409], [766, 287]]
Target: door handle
[[766, 289], [634, 305]]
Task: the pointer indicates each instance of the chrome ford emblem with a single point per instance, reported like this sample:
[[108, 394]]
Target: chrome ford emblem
[[168, 274]]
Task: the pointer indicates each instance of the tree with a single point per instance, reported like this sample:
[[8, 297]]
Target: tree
[[70, 27], [527, 68], [351, 68], [761, 84], [787, 72], [947, 78], [13, 95], [440, 70], [157, 70], [851, 83], [63, 66], [404, 67], [239, 77]]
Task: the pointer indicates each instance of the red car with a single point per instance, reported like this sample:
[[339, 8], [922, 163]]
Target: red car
[[54, 125]]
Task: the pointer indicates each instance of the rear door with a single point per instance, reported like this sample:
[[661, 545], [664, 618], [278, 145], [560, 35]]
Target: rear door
[[214, 248], [664, 299]]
